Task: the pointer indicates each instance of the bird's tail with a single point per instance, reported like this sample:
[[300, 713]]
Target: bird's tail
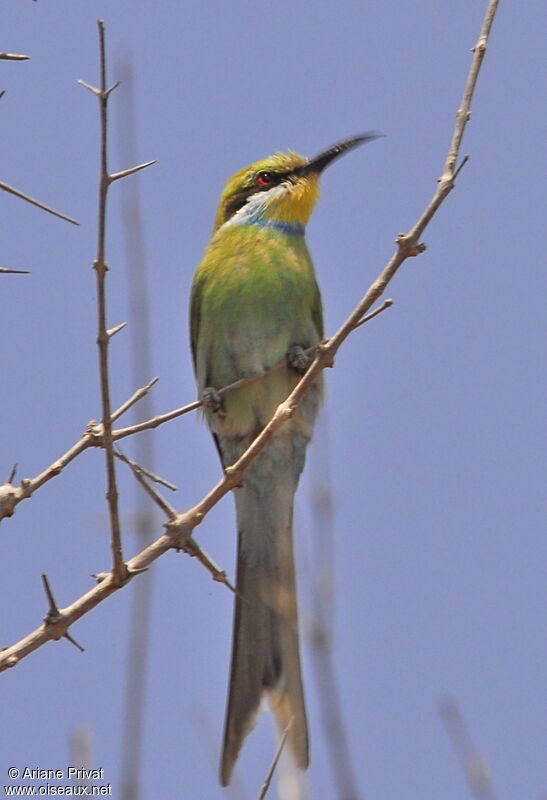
[[265, 649]]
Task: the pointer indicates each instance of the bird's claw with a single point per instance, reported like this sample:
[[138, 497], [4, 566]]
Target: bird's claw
[[298, 359], [212, 400]]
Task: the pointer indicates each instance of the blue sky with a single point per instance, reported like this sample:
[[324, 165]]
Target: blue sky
[[435, 413]]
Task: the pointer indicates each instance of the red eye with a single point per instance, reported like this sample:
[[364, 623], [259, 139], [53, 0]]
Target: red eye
[[265, 178]]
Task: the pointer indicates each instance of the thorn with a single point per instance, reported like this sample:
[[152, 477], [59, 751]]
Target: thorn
[[100, 576], [9, 271], [125, 172], [13, 57], [88, 86], [34, 202], [108, 92], [54, 615], [73, 641], [116, 329], [53, 607], [459, 169], [2, 93], [13, 473], [141, 471]]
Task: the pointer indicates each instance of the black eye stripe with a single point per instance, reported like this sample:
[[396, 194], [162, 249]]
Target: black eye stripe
[[238, 200]]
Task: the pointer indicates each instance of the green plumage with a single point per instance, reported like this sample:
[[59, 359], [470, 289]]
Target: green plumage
[[254, 296], [254, 299]]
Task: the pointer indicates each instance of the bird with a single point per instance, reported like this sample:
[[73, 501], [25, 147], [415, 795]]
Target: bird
[[255, 311]]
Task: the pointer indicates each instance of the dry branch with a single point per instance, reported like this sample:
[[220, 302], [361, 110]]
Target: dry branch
[[180, 529], [103, 338], [190, 546], [104, 335], [11, 496]]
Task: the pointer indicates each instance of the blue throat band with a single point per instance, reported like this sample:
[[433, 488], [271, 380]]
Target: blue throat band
[[290, 228]]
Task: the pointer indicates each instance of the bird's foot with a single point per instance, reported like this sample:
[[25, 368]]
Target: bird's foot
[[298, 359], [212, 400]]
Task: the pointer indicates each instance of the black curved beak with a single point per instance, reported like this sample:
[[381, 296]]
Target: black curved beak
[[319, 162]]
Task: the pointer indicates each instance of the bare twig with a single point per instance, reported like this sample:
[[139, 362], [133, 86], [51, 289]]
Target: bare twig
[[189, 545], [137, 468], [385, 305], [473, 766], [104, 335], [269, 776], [11, 496], [135, 397], [101, 267], [446, 181], [180, 529], [192, 548], [7, 188]]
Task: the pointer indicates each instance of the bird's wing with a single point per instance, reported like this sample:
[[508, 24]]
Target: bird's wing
[[195, 317]]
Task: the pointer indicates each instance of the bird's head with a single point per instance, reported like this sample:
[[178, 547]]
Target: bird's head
[[282, 188]]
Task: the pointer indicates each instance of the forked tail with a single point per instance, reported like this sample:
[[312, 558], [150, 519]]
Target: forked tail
[[265, 649]]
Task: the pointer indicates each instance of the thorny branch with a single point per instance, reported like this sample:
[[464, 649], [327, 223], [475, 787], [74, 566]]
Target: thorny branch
[[53, 615], [100, 266], [12, 190], [11, 496], [104, 335], [190, 546], [179, 529]]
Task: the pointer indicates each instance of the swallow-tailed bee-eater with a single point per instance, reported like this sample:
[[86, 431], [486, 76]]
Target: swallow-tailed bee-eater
[[256, 304]]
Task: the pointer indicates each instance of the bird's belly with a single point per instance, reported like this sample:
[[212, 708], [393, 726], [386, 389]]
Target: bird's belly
[[248, 348], [250, 352]]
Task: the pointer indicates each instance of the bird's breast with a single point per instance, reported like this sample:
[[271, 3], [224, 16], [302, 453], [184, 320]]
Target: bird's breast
[[257, 297]]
